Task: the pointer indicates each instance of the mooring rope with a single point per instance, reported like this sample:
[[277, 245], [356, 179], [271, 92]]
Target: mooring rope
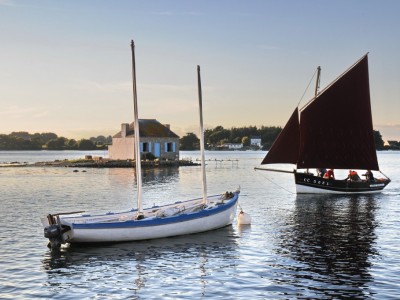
[[290, 192]]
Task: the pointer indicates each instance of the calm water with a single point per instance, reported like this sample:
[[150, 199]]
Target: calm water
[[298, 247]]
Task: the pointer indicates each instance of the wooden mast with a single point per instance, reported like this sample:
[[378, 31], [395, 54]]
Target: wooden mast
[[318, 81], [137, 141], [203, 163]]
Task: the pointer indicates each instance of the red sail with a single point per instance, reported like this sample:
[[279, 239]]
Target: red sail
[[286, 147], [336, 127]]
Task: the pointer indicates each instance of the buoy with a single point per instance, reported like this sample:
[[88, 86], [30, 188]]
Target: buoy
[[244, 218]]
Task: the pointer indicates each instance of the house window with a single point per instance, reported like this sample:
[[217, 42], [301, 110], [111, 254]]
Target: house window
[[145, 147], [169, 147]]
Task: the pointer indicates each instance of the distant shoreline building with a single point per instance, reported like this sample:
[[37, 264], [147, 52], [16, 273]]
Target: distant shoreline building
[[233, 146], [155, 138], [255, 141]]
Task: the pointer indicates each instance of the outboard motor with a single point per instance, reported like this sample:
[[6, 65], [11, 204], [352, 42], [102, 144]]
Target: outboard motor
[[54, 232]]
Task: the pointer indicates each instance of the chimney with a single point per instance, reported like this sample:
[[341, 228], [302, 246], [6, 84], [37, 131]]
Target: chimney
[[124, 129], [168, 126]]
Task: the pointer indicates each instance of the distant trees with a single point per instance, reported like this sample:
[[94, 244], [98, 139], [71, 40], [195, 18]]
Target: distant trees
[[215, 137], [245, 141], [189, 142], [379, 143], [8, 142], [59, 143], [101, 140], [219, 136], [23, 140], [86, 145]]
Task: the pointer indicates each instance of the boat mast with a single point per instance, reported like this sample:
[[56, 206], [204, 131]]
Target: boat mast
[[318, 80], [203, 163], [137, 142]]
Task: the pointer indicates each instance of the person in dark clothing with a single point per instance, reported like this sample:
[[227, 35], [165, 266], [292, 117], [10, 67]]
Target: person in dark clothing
[[321, 172], [369, 176]]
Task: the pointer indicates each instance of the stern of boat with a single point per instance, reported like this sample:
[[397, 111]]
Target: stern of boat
[[56, 232]]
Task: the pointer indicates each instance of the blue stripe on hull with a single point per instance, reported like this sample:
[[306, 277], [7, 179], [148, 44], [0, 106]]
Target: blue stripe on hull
[[160, 221]]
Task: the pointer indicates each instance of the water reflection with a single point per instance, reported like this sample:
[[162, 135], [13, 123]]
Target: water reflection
[[146, 263], [149, 176], [160, 175], [332, 241]]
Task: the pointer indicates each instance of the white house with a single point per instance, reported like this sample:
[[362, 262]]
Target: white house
[[233, 146], [255, 141], [155, 138]]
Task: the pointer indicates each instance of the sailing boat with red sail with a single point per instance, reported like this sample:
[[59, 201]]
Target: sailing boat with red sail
[[333, 130]]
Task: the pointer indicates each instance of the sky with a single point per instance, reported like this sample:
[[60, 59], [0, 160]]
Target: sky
[[65, 66]]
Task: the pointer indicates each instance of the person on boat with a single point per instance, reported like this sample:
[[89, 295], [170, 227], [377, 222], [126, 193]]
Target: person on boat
[[353, 176], [321, 172], [329, 174], [369, 176]]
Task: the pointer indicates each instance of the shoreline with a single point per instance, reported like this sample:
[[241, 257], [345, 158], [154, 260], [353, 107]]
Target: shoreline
[[102, 163]]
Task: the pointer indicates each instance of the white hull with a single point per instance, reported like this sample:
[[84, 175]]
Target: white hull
[[122, 227], [153, 232]]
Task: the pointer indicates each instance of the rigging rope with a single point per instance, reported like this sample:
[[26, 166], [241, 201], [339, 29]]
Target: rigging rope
[[307, 87], [290, 192]]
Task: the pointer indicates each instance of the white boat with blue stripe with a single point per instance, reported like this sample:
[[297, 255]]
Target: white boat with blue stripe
[[180, 218]]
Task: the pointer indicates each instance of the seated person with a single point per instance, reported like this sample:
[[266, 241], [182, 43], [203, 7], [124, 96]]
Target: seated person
[[329, 174], [353, 176], [321, 172], [369, 176]]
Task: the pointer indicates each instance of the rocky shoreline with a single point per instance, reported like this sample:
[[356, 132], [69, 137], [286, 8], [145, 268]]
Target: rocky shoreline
[[103, 163]]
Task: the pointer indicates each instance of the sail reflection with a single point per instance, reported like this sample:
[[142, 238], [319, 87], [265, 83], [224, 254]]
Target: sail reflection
[[332, 241], [147, 263]]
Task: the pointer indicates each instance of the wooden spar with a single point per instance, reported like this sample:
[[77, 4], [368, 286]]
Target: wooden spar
[[68, 213], [318, 81], [203, 163], [275, 170], [137, 141]]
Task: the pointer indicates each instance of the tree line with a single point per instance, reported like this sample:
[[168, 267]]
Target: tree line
[[23, 140], [219, 136], [214, 138]]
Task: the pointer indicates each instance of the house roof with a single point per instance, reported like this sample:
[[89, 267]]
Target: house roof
[[149, 128]]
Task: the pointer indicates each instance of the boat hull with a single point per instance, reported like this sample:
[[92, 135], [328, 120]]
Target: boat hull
[[310, 184], [90, 231]]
